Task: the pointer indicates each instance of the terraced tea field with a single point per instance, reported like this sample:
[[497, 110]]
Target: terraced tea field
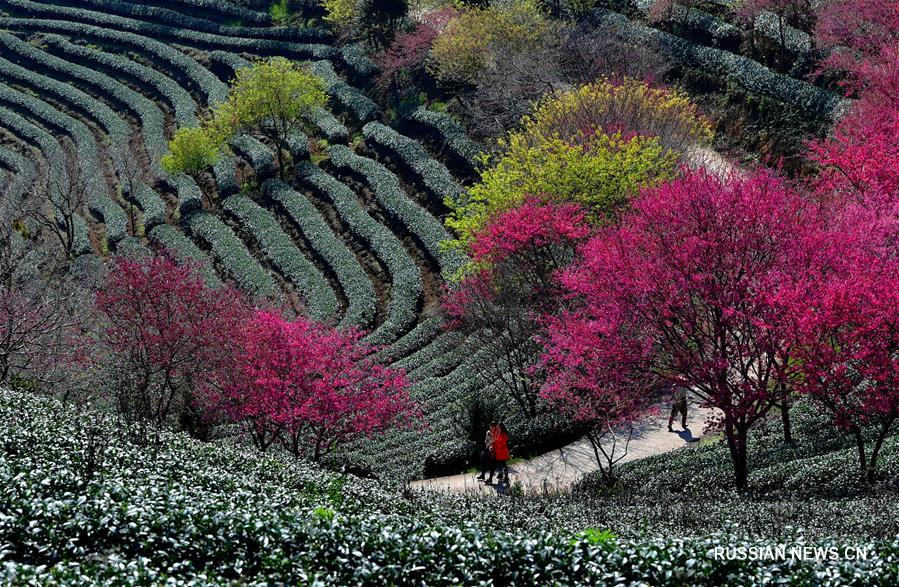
[[91, 91]]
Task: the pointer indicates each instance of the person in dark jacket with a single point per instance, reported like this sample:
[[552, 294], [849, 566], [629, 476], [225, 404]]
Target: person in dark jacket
[[678, 406], [487, 451]]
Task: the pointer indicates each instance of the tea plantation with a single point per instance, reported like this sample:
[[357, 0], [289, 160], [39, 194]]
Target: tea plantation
[[82, 504]]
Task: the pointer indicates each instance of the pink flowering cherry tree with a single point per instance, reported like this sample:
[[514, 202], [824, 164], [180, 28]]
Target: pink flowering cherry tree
[[309, 386], [516, 259], [860, 35], [860, 160], [599, 373], [691, 277], [161, 334], [403, 63], [847, 336]]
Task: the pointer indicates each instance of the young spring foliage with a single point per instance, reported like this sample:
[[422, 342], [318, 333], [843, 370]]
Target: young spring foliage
[[596, 145], [193, 150], [630, 106], [601, 174], [273, 99], [472, 41]]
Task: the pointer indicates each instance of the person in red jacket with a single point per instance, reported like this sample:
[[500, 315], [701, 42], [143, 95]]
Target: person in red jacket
[[500, 454]]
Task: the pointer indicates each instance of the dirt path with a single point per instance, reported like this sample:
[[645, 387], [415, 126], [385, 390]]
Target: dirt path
[[711, 160], [557, 470]]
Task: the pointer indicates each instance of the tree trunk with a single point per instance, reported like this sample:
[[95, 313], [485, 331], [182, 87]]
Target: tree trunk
[[862, 458], [871, 473], [785, 419], [736, 443], [318, 449], [281, 171]]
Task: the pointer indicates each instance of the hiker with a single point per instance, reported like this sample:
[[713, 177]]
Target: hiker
[[500, 454], [679, 405], [487, 451]]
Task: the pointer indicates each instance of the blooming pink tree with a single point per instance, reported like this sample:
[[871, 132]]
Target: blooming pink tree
[[694, 268], [404, 60], [309, 386], [849, 354], [860, 160], [599, 372], [162, 333], [859, 34], [516, 260]]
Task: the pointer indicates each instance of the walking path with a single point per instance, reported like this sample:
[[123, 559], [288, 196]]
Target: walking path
[[557, 470]]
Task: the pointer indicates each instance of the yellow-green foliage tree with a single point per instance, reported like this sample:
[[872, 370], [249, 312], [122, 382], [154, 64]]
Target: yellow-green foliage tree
[[193, 150], [342, 15], [471, 41], [601, 173], [274, 99], [628, 105], [596, 145]]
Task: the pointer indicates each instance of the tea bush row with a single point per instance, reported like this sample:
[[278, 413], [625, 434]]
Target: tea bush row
[[284, 255], [354, 282]]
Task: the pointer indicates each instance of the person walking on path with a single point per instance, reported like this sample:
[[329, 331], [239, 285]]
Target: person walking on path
[[487, 452], [500, 454], [679, 405]]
